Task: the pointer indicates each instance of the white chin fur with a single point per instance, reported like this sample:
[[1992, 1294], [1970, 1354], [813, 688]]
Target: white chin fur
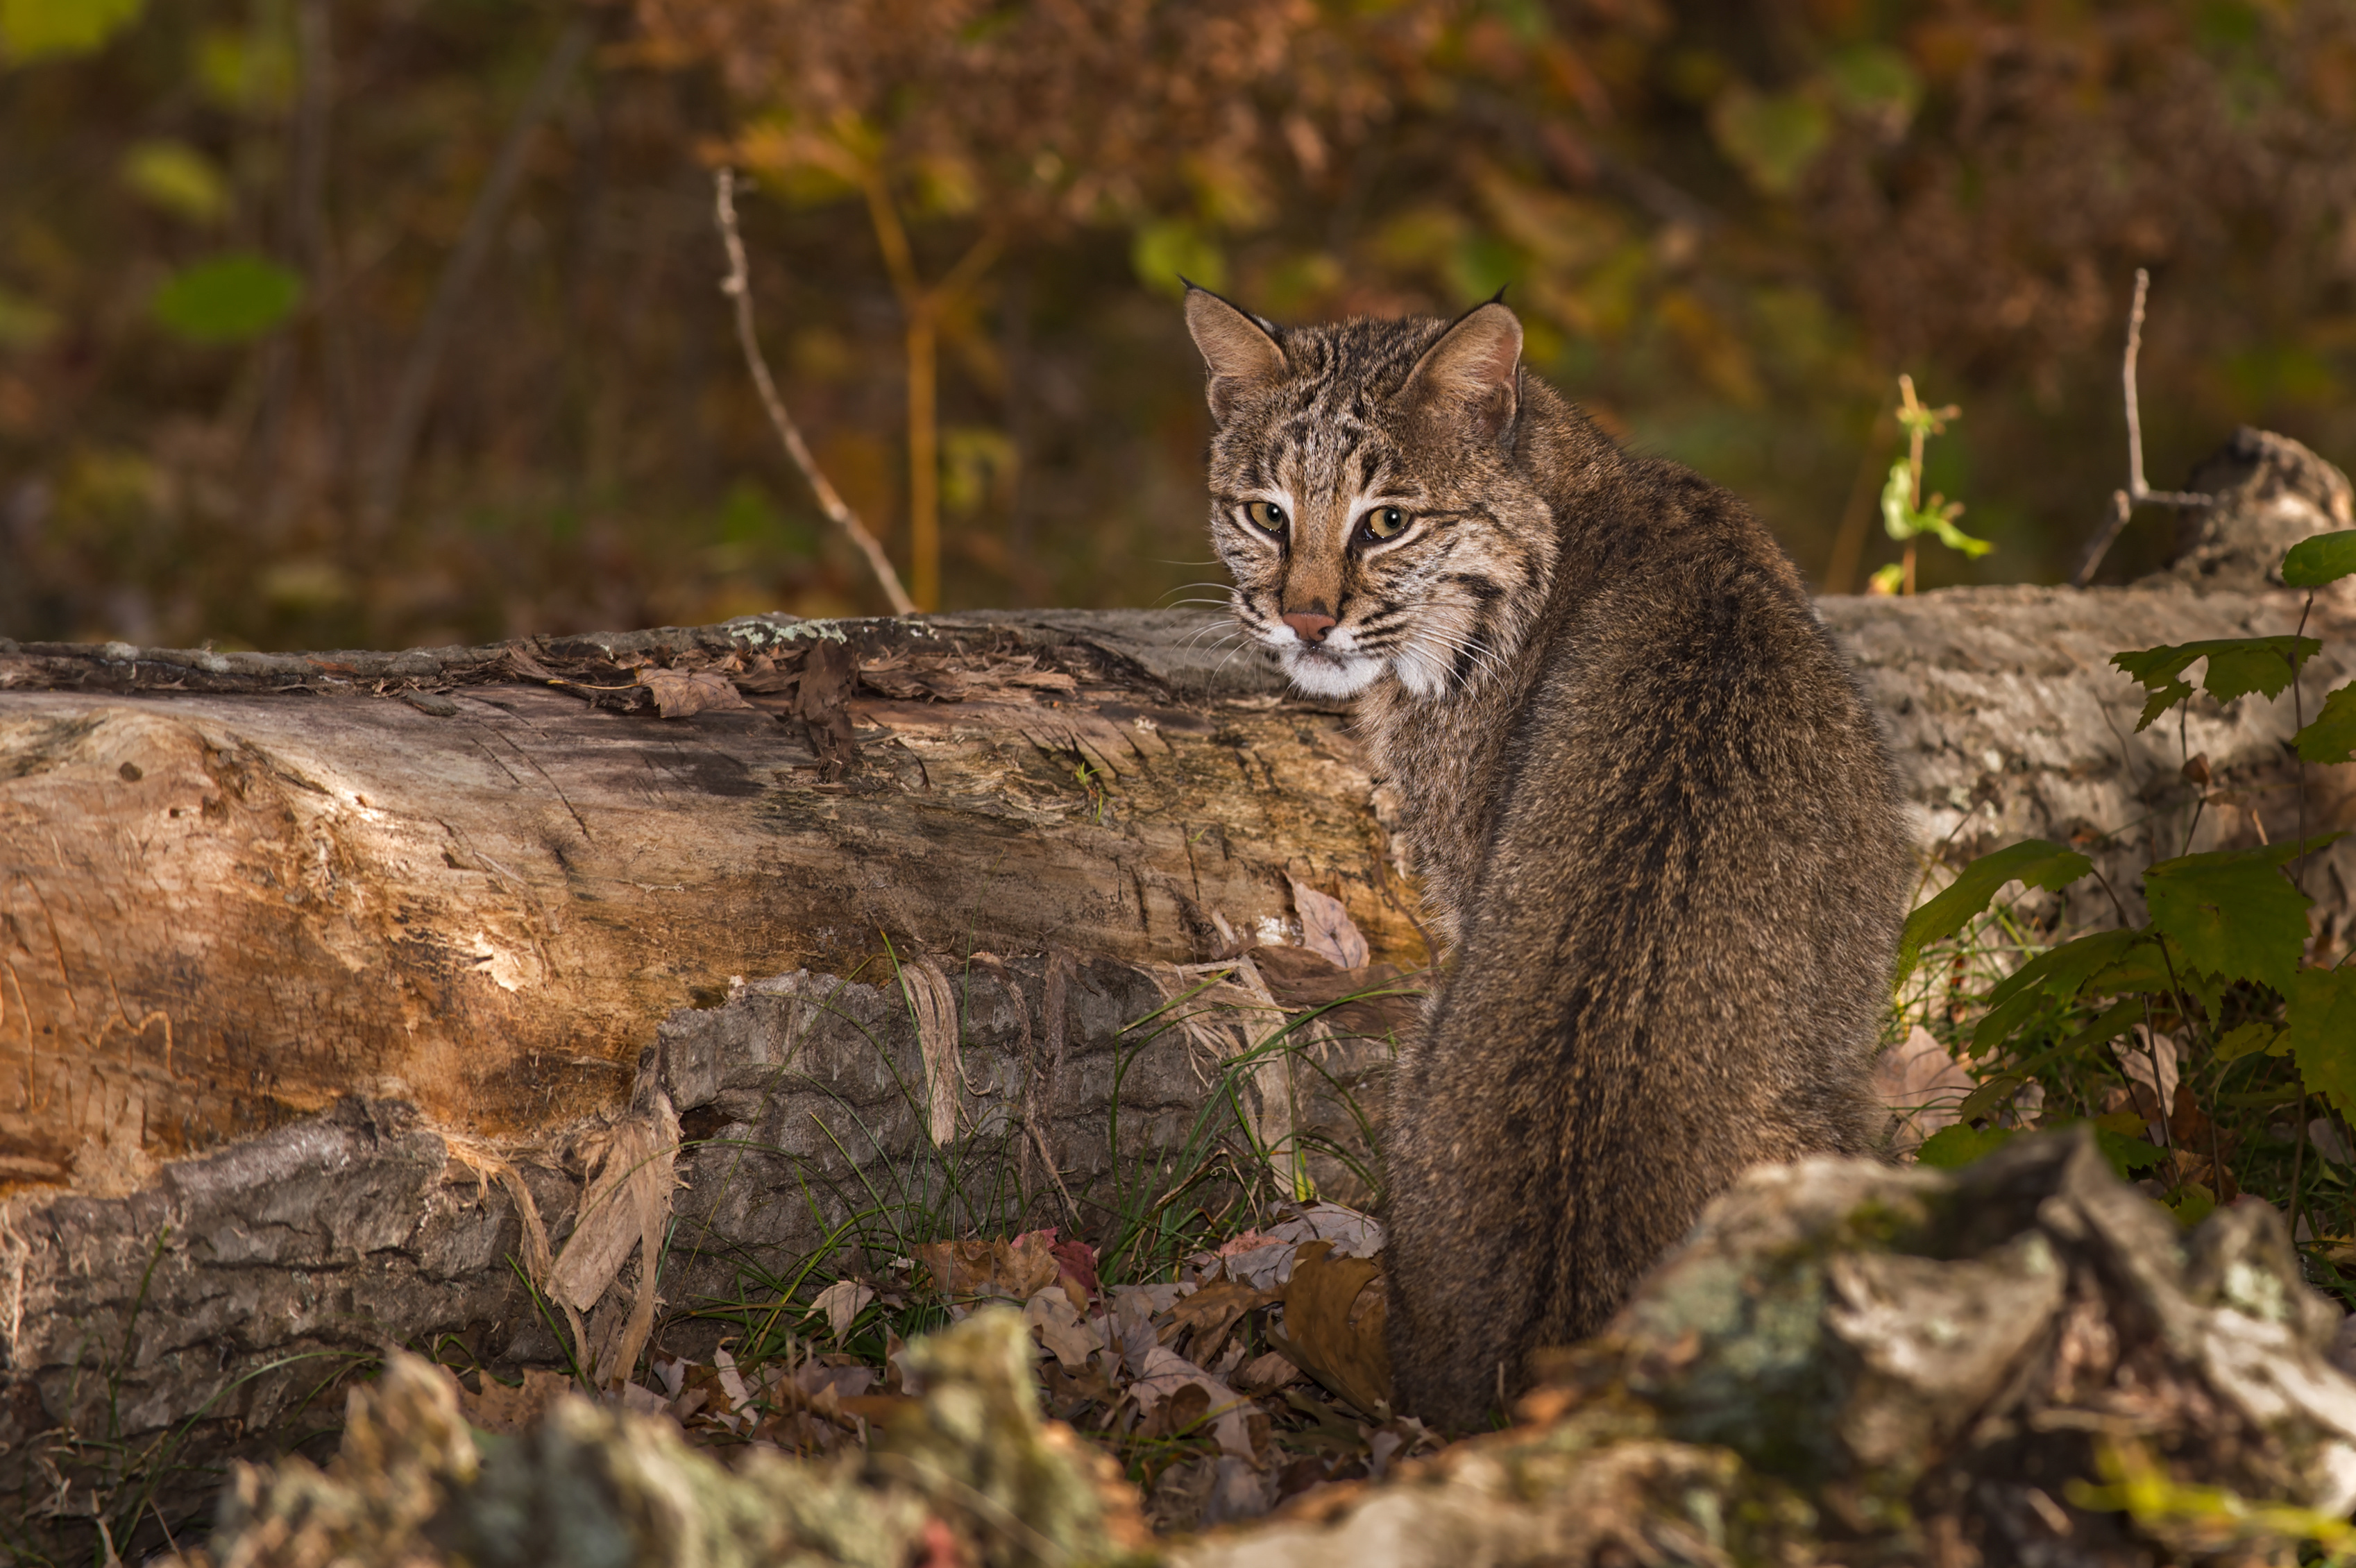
[[1325, 677], [1421, 673]]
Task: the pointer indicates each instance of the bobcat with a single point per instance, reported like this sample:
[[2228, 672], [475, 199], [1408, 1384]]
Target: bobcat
[[1656, 823]]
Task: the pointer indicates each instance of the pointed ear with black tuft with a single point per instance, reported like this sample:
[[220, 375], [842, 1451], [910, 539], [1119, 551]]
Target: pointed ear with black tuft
[[1472, 376], [1237, 347]]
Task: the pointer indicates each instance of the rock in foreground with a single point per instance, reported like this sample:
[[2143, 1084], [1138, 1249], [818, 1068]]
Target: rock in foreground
[[2023, 1361]]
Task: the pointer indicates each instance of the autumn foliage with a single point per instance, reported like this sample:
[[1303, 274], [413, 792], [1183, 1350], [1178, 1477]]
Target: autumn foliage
[[238, 236]]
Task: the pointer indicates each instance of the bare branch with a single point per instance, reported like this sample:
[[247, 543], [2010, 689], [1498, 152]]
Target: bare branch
[[737, 286], [2138, 493]]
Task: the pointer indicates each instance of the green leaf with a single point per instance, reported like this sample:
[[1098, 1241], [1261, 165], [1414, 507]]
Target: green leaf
[[2324, 558], [1983, 1101], [1772, 138], [2247, 1039], [1942, 524], [1959, 1145], [2158, 969], [2331, 736], [2321, 1033], [228, 299], [2126, 1155], [2058, 971], [1161, 251], [24, 323], [42, 30], [1898, 501], [2192, 1203], [2108, 1025], [1875, 79], [2037, 862], [178, 178], [2232, 912], [2237, 666]]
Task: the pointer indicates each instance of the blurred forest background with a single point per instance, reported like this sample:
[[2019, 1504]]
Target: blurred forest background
[[384, 322]]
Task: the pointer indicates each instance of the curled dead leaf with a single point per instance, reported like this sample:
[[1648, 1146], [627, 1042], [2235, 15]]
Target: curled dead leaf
[[1327, 928], [1049, 1315], [1015, 1270], [679, 694], [1166, 1375], [841, 1302], [1335, 1312], [1210, 1314], [509, 1411]]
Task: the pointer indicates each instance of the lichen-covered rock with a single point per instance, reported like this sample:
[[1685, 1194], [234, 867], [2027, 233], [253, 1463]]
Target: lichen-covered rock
[[2024, 1362], [975, 1474]]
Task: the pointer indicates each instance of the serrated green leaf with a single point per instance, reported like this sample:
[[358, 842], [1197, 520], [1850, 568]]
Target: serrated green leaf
[[2237, 666], [2330, 735], [2061, 971], [2319, 1028], [228, 299], [40, 29], [1956, 1145], [2159, 969], [2038, 862], [2247, 1039], [2324, 558], [2232, 912], [2192, 1203], [2127, 1156]]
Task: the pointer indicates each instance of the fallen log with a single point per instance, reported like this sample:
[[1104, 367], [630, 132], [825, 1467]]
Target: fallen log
[[315, 967]]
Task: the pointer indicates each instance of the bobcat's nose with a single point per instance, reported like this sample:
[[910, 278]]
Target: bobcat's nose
[[1309, 627]]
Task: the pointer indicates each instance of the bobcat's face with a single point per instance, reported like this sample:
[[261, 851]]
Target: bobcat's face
[[1363, 495]]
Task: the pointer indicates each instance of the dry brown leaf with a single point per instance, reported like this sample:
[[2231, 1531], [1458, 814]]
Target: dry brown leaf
[[679, 694], [509, 1411], [1334, 1311], [1049, 1315], [841, 1302], [1265, 1374], [974, 1270], [1922, 1084], [1165, 1373], [1300, 979], [765, 676], [1211, 1314], [1327, 929]]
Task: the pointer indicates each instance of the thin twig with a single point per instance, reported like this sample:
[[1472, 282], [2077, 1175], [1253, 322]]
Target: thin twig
[[737, 286], [2138, 493]]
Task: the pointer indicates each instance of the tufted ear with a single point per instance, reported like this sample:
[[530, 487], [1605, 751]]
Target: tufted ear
[[1472, 376], [1238, 349]]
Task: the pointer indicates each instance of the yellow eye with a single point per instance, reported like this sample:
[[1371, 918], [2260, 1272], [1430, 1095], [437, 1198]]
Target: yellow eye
[[1384, 523], [1266, 516]]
